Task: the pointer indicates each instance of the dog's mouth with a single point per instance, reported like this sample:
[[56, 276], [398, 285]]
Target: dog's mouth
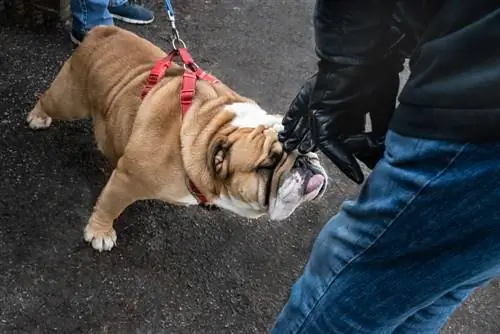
[[314, 179], [297, 179]]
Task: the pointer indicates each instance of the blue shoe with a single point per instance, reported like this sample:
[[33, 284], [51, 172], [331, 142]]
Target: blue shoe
[[132, 13]]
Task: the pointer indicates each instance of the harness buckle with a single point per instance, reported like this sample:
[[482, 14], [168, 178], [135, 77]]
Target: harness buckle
[[152, 79]]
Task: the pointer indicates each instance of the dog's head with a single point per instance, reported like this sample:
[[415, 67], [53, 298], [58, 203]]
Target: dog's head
[[248, 172]]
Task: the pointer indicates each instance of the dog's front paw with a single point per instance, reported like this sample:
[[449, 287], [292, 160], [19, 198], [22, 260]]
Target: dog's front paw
[[100, 240], [38, 120]]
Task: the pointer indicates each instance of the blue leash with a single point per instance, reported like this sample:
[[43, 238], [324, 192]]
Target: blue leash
[[176, 39], [170, 10]]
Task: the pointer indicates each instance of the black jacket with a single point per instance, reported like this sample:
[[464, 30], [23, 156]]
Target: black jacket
[[454, 48]]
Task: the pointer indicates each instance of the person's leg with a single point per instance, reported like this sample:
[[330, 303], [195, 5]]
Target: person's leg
[[88, 14], [434, 316], [425, 223]]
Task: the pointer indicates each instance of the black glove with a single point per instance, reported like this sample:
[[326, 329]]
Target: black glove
[[366, 147], [329, 113]]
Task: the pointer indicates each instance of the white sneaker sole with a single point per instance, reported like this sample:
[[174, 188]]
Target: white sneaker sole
[[132, 21], [74, 40]]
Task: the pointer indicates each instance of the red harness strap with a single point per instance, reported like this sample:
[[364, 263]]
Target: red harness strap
[[157, 73], [191, 74]]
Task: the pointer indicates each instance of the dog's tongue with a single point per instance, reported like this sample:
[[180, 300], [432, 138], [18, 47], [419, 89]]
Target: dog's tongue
[[314, 183]]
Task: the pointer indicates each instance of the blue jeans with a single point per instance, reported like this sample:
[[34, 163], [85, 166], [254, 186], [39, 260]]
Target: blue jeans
[[423, 233], [90, 13]]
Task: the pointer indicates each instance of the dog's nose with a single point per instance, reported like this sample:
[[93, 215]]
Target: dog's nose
[[301, 162]]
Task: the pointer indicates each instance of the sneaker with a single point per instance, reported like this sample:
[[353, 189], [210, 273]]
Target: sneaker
[[77, 35], [132, 13]]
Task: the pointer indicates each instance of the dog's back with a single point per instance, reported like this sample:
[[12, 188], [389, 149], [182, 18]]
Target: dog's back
[[102, 80]]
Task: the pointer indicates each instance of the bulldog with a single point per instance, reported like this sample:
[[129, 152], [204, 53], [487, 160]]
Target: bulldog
[[225, 150]]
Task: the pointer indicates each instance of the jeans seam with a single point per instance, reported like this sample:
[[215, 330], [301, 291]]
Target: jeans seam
[[354, 258], [85, 14]]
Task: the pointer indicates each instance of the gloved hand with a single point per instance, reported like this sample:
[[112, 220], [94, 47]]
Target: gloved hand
[[329, 113], [366, 147]]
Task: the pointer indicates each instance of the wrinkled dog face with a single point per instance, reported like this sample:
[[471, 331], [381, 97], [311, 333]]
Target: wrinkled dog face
[[299, 179], [256, 177]]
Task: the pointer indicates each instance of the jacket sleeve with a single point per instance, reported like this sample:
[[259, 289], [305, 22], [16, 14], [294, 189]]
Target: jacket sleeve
[[353, 32]]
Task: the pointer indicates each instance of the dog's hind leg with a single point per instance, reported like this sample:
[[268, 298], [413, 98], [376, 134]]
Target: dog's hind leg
[[64, 100]]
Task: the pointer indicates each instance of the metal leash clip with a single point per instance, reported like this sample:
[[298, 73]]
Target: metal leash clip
[[176, 39]]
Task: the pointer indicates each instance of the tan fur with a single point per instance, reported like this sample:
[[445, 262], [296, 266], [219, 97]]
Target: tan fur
[[152, 149]]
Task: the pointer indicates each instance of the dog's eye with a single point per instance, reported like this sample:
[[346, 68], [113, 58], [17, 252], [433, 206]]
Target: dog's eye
[[219, 160]]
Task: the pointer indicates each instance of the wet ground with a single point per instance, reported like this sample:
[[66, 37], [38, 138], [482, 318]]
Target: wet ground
[[175, 270]]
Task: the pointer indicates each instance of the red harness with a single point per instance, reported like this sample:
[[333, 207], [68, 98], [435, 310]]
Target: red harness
[[192, 73]]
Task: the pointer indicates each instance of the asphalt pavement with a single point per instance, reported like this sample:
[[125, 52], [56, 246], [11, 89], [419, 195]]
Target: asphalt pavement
[[175, 270]]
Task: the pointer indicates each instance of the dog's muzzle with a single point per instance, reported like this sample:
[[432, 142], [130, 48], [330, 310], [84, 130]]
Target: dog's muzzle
[[301, 179]]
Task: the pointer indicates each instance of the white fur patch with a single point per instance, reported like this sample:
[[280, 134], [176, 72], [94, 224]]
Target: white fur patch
[[249, 210], [188, 200], [278, 127], [37, 122], [165, 194], [100, 242], [287, 199], [250, 115]]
